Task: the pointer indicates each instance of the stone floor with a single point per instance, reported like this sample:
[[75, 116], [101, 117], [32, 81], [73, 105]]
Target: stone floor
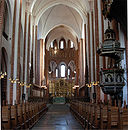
[[58, 117]]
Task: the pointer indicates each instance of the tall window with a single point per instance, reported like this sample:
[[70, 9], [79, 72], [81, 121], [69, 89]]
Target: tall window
[[62, 45], [62, 70], [56, 72], [68, 71], [52, 44], [72, 44]]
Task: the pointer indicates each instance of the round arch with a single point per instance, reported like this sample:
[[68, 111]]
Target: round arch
[[9, 7], [70, 34], [83, 13], [4, 61]]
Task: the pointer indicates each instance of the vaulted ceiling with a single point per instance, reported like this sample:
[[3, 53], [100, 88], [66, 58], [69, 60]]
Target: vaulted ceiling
[[50, 14]]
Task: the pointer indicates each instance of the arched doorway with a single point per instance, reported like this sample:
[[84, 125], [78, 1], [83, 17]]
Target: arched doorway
[[4, 80]]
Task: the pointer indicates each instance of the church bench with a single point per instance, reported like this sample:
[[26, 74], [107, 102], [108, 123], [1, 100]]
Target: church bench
[[113, 117], [124, 118], [14, 117], [85, 113], [33, 113], [30, 113], [92, 116], [37, 111], [20, 116], [27, 115], [103, 116], [97, 116], [6, 117], [80, 112]]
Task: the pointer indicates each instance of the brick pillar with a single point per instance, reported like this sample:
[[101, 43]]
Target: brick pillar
[[33, 28], [89, 50], [77, 69], [104, 59], [126, 46], [42, 59], [24, 54], [18, 58], [93, 48], [12, 51], [28, 50], [115, 28], [82, 63], [2, 3], [46, 70], [85, 49], [35, 54], [97, 45]]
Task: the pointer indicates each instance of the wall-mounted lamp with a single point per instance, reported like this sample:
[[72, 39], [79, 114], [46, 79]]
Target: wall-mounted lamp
[[28, 86], [44, 87], [76, 86], [89, 85], [95, 83], [2, 75], [55, 51], [92, 84], [13, 80], [21, 84]]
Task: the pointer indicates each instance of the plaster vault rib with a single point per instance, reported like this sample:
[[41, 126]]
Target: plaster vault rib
[[50, 4]]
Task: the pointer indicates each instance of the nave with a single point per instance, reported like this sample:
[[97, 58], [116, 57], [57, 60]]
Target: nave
[[76, 114], [63, 51], [58, 117]]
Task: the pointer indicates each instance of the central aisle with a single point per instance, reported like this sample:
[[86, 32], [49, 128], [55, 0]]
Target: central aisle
[[58, 117]]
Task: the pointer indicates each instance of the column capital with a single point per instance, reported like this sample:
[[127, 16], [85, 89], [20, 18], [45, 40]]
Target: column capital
[[28, 12]]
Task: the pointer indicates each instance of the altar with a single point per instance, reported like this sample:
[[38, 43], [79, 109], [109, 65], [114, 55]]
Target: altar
[[58, 100]]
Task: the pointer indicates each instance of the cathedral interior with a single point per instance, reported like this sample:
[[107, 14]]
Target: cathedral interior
[[63, 64]]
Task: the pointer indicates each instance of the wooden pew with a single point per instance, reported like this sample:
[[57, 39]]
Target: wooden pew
[[92, 116], [113, 117], [20, 116], [27, 115], [14, 117], [124, 119], [103, 116], [6, 117], [33, 113], [24, 115], [30, 113], [97, 116], [85, 114], [80, 112]]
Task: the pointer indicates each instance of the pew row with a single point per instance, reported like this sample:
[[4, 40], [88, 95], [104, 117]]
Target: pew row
[[22, 116], [99, 116]]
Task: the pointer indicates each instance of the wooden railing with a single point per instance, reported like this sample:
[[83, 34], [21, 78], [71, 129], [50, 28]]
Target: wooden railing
[[99, 116], [22, 116]]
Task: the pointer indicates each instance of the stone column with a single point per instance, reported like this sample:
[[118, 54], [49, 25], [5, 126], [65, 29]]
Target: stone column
[[13, 51], [18, 91], [2, 2], [97, 45], [28, 49], [26, 54], [35, 53], [41, 61], [89, 50], [2, 10], [104, 59]]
